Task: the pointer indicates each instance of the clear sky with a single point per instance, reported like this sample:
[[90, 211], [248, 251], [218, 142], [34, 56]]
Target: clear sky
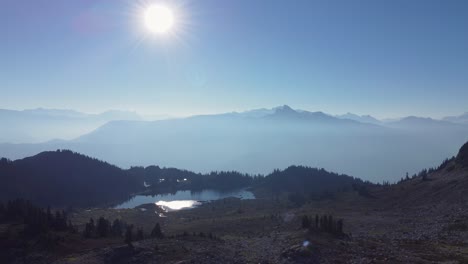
[[386, 58]]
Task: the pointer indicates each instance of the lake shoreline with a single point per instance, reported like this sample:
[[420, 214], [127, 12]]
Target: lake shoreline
[[184, 195]]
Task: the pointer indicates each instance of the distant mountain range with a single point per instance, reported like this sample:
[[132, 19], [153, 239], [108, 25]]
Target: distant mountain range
[[39, 125], [362, 118], [42, 124], [458, 119], [424, 123], [261, 140]]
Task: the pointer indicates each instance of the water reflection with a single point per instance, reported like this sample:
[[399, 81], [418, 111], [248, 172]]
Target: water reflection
[[183, 196], [177, 205]]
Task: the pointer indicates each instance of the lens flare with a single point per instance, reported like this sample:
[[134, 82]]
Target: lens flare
[[159, 19]]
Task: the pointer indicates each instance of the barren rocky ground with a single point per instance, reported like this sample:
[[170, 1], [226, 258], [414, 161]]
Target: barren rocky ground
[[269, 231], [415, 221]]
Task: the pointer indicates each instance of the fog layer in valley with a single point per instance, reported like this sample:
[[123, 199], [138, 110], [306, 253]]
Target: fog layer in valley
[[259, 141]]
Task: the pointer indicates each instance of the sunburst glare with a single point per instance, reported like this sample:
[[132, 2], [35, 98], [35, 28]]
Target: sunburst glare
[[160, 20]]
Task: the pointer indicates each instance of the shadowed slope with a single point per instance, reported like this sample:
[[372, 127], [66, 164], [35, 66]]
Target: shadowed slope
[[62, 178]]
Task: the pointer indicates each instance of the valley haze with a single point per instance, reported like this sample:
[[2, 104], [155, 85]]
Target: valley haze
[[255, 141]]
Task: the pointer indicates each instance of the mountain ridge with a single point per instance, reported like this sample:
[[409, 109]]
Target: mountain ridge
[[257, 141], [43, 124]]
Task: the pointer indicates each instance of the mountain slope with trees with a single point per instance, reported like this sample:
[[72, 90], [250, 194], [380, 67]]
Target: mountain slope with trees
[[444, 184], [63, 178]]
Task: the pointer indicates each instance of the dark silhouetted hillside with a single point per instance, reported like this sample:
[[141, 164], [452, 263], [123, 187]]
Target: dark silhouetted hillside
[[65, 178], [314, 181], [447, 184]]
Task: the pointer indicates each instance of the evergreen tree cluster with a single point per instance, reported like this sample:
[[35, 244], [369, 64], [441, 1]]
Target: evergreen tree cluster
[[326, 223], [131, 236], [306, 180], [316, 183], [424, 173], [36, 219], [445, 163], [105, 228], [60, 178], [172, 179]]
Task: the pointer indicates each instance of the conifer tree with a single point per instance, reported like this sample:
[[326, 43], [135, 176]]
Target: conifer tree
[[117, 228], [129, 235], [156, 232], [140, 235], [103, 227]]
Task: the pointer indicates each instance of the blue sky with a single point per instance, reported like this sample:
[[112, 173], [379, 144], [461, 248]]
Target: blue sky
[[385, 58]]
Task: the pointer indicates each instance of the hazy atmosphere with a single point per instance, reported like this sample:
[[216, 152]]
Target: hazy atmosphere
[[234, 131], [384, 58], [255, 141]]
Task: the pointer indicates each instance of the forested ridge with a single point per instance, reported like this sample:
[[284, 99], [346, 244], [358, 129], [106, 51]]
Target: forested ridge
[[64, 178]]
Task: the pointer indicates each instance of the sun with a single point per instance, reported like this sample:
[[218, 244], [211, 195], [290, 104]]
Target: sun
[[159, 19]]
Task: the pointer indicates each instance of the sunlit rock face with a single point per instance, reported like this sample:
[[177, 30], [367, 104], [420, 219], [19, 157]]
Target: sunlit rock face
[[177, 205]]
